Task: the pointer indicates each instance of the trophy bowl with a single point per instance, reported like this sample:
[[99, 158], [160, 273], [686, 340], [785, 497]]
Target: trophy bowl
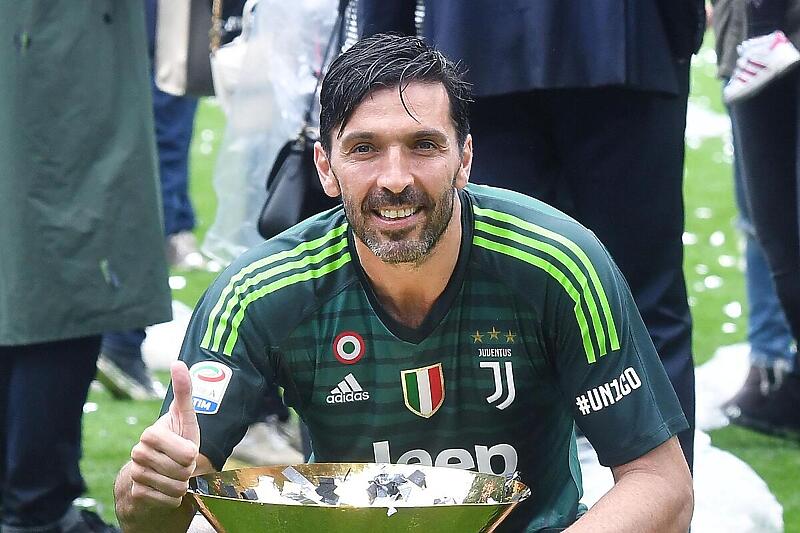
[[354, 497]]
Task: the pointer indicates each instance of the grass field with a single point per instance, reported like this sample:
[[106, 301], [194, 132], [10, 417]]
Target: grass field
[[714, 280]]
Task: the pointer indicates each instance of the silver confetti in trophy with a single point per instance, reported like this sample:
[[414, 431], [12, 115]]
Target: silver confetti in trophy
[[355, 497]]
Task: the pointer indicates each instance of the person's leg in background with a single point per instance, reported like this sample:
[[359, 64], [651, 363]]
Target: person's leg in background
[[121, 368], [769, 145], [767, 331], [274, 437], [45, 388], [5, 381], [623, 157], [614, 160], [765, 16], [174, 121]]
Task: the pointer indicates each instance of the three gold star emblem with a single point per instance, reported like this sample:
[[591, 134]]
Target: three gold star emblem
[[494, 334]]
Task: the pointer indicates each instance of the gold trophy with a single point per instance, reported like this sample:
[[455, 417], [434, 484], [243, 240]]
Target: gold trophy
[[355, 497]]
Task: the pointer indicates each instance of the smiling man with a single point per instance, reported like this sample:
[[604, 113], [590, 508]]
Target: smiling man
[[426, 321]]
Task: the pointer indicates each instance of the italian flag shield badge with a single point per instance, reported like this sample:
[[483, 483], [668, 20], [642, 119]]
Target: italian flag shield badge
[[423, 389]]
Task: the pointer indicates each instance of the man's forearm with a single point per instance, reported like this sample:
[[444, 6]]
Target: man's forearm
[[650, 494], [639, 503], [137, 520]]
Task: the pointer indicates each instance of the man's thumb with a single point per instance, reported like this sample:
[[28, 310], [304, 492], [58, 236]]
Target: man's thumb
[[182, 415]]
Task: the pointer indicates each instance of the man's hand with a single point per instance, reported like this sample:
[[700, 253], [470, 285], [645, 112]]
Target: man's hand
[[150, 490], [166, 455]]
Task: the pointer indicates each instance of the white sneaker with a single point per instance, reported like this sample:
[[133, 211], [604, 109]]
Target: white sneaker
[[183, 252], [266, 443], [761, 60]]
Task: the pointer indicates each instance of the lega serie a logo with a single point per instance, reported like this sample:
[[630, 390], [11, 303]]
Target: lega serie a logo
[[210, 380]]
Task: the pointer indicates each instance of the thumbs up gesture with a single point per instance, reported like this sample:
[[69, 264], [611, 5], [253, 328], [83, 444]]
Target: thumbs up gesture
[[167, 452]]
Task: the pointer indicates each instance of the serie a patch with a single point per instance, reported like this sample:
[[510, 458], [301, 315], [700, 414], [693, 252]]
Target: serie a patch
[[210, 380]]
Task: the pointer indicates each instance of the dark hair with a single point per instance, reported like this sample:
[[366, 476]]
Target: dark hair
[[388, 60]]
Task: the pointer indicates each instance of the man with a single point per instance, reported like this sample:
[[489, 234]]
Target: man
[[81, 243], [583, 106], [425, 322]]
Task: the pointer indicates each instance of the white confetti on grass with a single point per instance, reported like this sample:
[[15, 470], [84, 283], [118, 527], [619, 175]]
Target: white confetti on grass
[[729, 327], [701, 269], [207, 135], [177, 283], [89, 407], [727, 261], [733, 309], [689, 238], [703, 213], [713, 282], [717, 238], [699, 286], [131, 420]]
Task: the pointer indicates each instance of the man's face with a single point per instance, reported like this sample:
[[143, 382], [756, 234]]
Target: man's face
[[397, 176]]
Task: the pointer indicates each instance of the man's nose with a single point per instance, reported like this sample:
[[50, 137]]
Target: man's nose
[[396, 172]]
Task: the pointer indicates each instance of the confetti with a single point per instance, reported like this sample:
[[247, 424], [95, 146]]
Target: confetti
[[717, 238], [733, 309]]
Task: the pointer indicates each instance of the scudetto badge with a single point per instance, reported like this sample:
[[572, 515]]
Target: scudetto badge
[[423, 389], [348, 347]]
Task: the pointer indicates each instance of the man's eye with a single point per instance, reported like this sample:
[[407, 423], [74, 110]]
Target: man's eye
[[426, 145], [362, 149]]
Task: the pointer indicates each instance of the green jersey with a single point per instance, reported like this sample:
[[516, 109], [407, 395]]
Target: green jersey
[[535, 331]]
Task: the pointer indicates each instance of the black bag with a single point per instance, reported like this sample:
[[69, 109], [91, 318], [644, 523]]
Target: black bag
[[293, 188], [294, 191]]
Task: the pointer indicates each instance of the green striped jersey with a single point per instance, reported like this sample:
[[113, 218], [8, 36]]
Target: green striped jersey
[[535, 331]]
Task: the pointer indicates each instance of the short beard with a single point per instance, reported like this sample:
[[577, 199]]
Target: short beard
[[397, 248]]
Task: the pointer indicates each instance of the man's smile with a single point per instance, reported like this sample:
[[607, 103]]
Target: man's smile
[[397, 213]]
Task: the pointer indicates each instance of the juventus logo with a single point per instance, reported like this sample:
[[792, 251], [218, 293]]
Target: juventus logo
[[498, 383]]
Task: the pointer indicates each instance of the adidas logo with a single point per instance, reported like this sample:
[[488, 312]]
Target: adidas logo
[[348, 390]]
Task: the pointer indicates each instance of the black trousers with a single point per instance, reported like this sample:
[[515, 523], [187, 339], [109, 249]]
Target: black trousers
[[768, 134], [613, 159], [43, 388]]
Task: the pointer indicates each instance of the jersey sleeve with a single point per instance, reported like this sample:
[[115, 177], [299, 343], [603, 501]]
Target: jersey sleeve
[[228, 362], [606, 364]]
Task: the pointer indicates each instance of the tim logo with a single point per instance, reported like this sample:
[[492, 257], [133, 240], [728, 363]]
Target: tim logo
[[204, 406], [509, 391]]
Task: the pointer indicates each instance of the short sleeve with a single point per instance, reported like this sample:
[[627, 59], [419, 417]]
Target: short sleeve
[[607, 367], [227, 358]]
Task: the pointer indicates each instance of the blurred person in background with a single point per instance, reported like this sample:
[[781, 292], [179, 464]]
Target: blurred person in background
[[120, 367], [80, 233], [771, 343], [604, 89], [766, 128]]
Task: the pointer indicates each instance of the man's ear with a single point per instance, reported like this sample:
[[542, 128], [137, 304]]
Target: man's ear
[[329, 182], [462, 178]]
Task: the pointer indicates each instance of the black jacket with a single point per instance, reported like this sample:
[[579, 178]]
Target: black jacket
[[517, 45]]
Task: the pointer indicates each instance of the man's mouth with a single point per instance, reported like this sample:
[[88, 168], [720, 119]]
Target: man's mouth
[[397, 213]]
